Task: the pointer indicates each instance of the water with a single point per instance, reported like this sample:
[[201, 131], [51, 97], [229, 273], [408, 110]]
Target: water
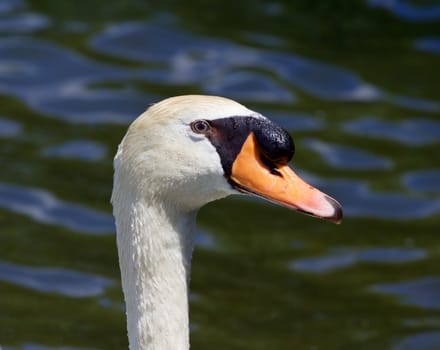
[[356, 83]]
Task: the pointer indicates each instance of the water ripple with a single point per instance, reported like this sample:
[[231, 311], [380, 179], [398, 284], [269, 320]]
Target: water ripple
[[422, 292], [219, 66], [429, 44], [419, 341], [423, 180], [249, 86], [195, 59], [31, 346], [54, 280], [295, 121], [7, 6], [407, 11], [44, 207], [347, 157], [23, 23], [9, 128], [205, 240], [77, 149], [359, 201], [418, 132], [346, 257], [320, 79], [414, 103], [57, 82]]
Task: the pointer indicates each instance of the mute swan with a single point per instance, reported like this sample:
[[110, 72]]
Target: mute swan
[[180, 154]]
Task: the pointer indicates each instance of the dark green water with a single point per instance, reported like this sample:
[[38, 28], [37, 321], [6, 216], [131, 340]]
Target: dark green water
[[356, 82]]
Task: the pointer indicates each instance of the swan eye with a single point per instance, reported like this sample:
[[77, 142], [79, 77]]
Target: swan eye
[[200, 126]]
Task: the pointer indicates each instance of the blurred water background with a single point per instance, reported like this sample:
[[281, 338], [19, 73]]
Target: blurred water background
[[356, 82]]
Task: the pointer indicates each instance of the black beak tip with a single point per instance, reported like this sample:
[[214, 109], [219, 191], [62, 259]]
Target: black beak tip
[[336, 218]]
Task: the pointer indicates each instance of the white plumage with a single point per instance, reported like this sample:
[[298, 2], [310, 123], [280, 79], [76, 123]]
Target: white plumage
[[164, 172]]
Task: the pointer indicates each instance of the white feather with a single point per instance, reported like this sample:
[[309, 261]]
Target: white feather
[[164, 173]]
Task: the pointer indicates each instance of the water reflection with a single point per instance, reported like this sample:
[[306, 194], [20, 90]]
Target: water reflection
[[416, 104], [422, 292], [360, 201], [9, 128], [416, 132], [419, 341], [54, 280], [7, 6], [346, 157], [249, 87], [31, 346], [423, 180], [44, 207], [405, 9], [345, 257], [213, 63], [23, 23], [205, 240], [56, 81], [295, 121], [431, 45], [77, 149]]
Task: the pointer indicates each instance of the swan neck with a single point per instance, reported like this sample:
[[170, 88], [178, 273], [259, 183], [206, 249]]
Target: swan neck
[[155, 244]]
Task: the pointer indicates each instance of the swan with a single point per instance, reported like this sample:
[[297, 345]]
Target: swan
[[180, 154]]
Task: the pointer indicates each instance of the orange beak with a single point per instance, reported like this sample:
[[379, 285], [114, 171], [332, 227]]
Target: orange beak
[[281, 185]]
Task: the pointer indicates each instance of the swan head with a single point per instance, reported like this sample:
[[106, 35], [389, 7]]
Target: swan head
[[187, 151]]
